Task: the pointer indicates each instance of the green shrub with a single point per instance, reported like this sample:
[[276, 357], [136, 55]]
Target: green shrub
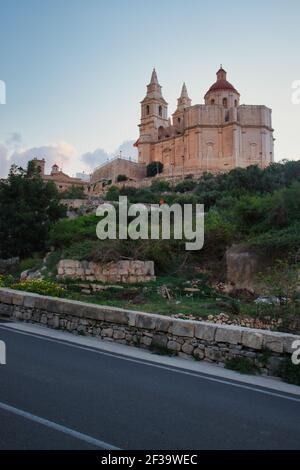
[[121, 178], [184, 186], [40, 286], [30, 263], [244, 365], [6, 281], [154, 168], [160, 186], [289, 372], [112, 194], [74, 192], [68, 231]]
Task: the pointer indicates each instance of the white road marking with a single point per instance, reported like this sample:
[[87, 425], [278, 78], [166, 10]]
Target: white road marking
[[58, 427], [158, 366]]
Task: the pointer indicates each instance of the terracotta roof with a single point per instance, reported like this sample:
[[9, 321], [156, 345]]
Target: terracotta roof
[[222, 85]]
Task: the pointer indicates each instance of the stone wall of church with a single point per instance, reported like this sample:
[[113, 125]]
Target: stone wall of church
[[116, 167], [209, 143]]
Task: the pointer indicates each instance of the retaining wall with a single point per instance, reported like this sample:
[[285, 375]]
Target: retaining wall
[[189, 339], [125, 271]]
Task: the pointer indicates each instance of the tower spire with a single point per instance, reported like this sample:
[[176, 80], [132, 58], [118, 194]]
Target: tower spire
[[154, 80], [184, 93], [154, 88], [184, 101]]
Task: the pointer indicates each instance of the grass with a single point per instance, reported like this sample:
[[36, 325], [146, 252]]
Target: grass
[[147, 297], [244, 365], [155, 304], [289, 372]]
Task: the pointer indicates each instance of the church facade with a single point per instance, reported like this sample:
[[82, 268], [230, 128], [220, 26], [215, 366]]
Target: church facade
[[216, 136]]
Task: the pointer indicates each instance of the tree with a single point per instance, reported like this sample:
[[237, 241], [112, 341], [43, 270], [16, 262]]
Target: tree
[[121, 178], [28, 207], [73, 192], [154, 168]]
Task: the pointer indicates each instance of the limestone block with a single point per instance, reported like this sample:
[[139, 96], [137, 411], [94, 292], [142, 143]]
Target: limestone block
[[288, 341], [187, 348], [205, 332], [146, 340], [199, 353], [160, 341], [116, 316], [118, 334], [273, 343], [182, 328], [17, 298], [145, 321], [173, 346], [163, 324], [6, 297], [213, 354], [108, 332], [94, 312], [6, 310], [228, 335], [252, 340], [131, 318], [30, 300]]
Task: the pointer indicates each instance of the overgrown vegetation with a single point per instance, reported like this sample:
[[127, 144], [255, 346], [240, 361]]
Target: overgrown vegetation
[[289, 372], [39, 286], [74, 192], [244, 365], [28, 208], [258, 208], [154, 168]]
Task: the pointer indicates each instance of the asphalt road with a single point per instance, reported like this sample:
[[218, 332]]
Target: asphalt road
[[57, 395]]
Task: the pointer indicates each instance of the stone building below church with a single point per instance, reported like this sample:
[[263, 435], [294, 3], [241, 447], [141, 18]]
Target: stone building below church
[[59, 178], [216, 136]]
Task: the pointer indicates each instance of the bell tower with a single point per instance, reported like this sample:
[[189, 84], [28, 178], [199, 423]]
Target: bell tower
[[183, 102], [154, 116]]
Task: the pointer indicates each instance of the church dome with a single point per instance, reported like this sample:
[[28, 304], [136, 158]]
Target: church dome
[[222, 84]]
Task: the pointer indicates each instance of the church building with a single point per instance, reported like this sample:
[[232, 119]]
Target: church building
[[216, 136]]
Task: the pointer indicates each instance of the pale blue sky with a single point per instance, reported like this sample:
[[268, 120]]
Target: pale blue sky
[[76, 70]]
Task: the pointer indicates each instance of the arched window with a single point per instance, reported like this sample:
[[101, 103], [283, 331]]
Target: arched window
[[178, 120], [148, 110], [225, 103], [235, 103], [212, 102], [160, 110]]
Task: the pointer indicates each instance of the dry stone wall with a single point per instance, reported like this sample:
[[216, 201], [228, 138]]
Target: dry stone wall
[[189, 339], [125, 271]]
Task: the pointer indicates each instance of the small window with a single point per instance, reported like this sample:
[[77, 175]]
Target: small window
[[225, 102], [212, 102], [179, 120], [235, 103], [160, 110], [148, 110]]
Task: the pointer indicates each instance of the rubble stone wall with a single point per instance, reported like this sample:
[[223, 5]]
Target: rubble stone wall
[[126, 271], [189, 339]]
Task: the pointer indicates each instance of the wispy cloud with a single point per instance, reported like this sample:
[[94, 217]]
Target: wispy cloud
[[99, 156], [63, 154]]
